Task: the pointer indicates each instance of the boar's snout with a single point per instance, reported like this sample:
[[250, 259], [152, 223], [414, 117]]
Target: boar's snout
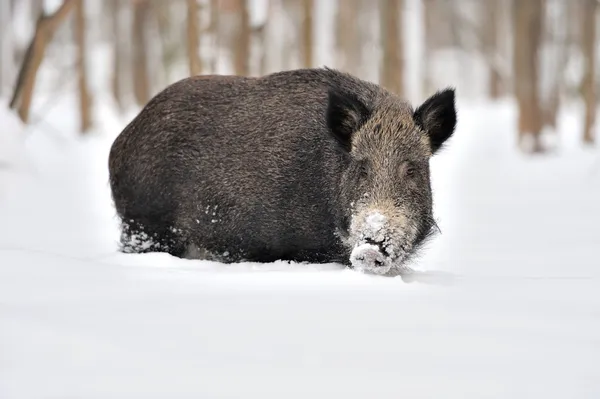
[[382, 237], [370, 258], [371, 248]]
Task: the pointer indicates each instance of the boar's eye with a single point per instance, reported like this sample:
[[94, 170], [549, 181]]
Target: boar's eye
[[409, 170], [363, 168]]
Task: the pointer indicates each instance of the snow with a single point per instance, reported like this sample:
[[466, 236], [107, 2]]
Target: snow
[[376, 221], [504, 303]]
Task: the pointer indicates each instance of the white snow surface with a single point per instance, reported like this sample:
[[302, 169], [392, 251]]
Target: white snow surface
[[507, 305]]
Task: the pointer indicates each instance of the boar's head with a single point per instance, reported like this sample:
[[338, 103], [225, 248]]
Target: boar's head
[[385, 183]]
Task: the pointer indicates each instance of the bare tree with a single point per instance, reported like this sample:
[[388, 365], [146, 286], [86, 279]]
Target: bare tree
[[555, 58], [193, 38], [428, 31], [45, 28], [213, 30], [120, 83], [307, 33], [141, 84], [588, 45], [6, 45], [36, 8], [242, 47], [348, 36], [261, 43], [117, 53], [492, 21], [527, 36], [392, 71], [292, 43], [84, 95], [235, 31]]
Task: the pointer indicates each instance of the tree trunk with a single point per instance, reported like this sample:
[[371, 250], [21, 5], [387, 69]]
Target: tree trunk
[[292, 46], [193, 38], [589, 81], [348, 36], [392, 71], [495, 84], [84, 95], [307, 33], [6, 45], [170, 47], [555, 63], [428, 32], [36, 8], [492, 45], [117, 81], [242, 43], [527, 35], [46, 26], [261, 40], [236, 33], [551, 107], [141, 84], [213, 28]]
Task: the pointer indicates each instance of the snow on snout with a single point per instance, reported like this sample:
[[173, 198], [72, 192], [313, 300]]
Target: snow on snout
[[375, 221], [369, 258], [373, 227]]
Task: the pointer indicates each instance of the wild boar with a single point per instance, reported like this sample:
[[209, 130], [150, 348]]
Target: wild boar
[[308, 165]]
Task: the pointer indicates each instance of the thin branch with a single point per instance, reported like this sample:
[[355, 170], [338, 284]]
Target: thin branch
[[45, 28]]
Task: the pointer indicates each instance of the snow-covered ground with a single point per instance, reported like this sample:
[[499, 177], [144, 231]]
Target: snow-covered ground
[[512, 308]]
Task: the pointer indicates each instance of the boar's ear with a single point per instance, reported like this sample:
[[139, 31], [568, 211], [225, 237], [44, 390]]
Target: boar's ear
[[345, 115], [437, 117]]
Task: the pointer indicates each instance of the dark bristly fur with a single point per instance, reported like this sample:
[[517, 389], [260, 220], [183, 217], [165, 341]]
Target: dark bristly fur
[[278, 167]]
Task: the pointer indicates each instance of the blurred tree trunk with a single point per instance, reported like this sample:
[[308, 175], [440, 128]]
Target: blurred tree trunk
[[242, 46], [307, 33], [84, 95], [6, 45], [555, 62], [392, 72], [193, 38], [527, 36], [551, 107], [236, 31], [291, 50], [162, 10], [119, 51], [428, 32], [348, 36], [213, 29], [141, 84], [589, 81], [45, 28], [492, 45], [19, 49], [261, 39], [36, 9]]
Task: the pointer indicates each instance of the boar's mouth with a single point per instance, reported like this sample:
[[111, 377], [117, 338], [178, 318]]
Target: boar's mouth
[[379, 244]]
